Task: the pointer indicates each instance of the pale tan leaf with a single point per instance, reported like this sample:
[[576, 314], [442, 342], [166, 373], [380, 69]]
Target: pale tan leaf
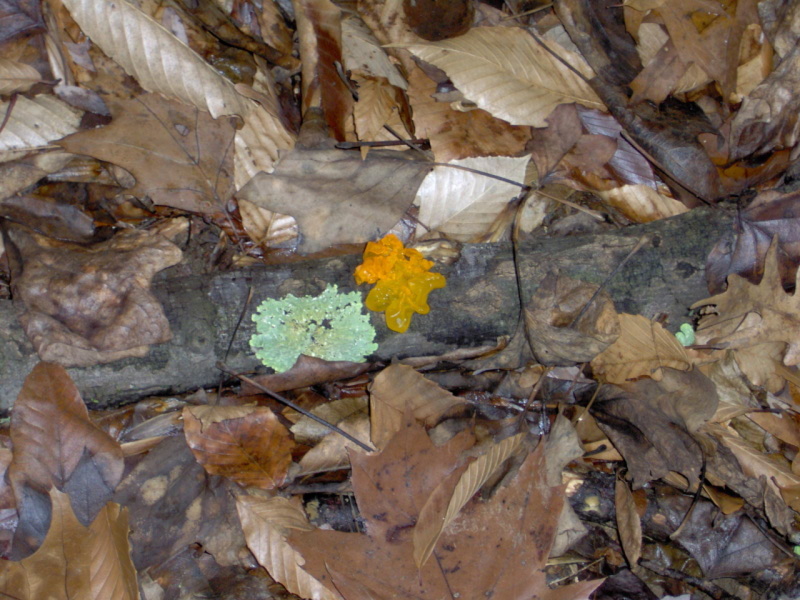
[[158, 60], [641, 203], [258, 145], [208, 414], [464, 205], [508, 74], [331, 453], [432, 522], [34, 123], [377, 100], [264, 226], [16, 76], [112, 575], [308, 431], [763, 364], [629, 524], [265, 523], [747, 314], [398, 388], [735, 397], [642, 349], [754, 462], [362, 52]]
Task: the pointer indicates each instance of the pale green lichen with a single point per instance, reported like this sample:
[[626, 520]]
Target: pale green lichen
[[686, 335], [330, 326]]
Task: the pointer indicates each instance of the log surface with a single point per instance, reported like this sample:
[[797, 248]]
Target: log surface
[[479, 304]]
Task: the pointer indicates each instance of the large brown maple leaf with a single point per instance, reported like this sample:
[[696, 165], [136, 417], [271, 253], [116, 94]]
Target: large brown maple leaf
[[496, 548]]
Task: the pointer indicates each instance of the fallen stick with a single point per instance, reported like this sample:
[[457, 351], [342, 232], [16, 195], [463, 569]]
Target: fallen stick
[[479, 304]]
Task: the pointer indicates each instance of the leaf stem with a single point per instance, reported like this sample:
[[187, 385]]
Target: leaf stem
[[225, 369]]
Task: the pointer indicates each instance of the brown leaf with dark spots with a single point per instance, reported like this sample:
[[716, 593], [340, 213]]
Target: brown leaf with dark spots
[[174, 503], [336, 197], [179, 155], [252, 450], [90, 304]]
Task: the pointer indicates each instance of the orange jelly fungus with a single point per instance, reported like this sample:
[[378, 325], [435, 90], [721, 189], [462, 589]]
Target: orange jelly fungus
[[402, 281]]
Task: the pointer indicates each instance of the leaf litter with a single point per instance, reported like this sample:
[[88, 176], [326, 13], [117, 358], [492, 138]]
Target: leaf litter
[[595, 455]]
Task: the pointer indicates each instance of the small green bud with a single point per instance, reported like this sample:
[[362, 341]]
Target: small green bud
[[330, 326]]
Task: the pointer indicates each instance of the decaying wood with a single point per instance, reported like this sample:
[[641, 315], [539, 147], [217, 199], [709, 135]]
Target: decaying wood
[[479, 304]]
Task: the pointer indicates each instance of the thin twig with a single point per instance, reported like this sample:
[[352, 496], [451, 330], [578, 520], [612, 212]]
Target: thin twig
[[223, 367]]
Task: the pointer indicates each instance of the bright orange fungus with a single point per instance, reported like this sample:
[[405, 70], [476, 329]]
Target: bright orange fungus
[[402, 281]]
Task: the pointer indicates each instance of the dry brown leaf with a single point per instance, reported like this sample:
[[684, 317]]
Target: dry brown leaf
[[308, 371], [454, 134], [641, 203], [34, 123], [549, 317], [16, 76], [265, 227], [765, 120], [763, 365], [252, 449], [258, 144], [55, 444], [309, 432], [747, 314], [650, 423], [74, 561], [91, 304], [362, 52], [331, 453], [643, 348], [320, 33], [399, 388], [174, 503], [336, 197], [508, 74], [112, 575], [518, 524], [755, 463], [379, 103], [155, 57], [179, 155], [266, 522], [629, 524], [437, 513], [464, 205]]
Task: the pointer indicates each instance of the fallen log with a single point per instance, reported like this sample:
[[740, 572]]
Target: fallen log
[[479, 304]]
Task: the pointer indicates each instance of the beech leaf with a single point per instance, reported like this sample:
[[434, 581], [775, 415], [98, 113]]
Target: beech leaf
[[464, 205], [158, 60], [252, 449], [508, 74]]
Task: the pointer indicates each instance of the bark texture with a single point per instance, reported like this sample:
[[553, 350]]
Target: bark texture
[[479, 304]]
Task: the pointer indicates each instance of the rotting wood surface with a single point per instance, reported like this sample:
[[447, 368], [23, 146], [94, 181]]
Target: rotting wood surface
[[479, 304]]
